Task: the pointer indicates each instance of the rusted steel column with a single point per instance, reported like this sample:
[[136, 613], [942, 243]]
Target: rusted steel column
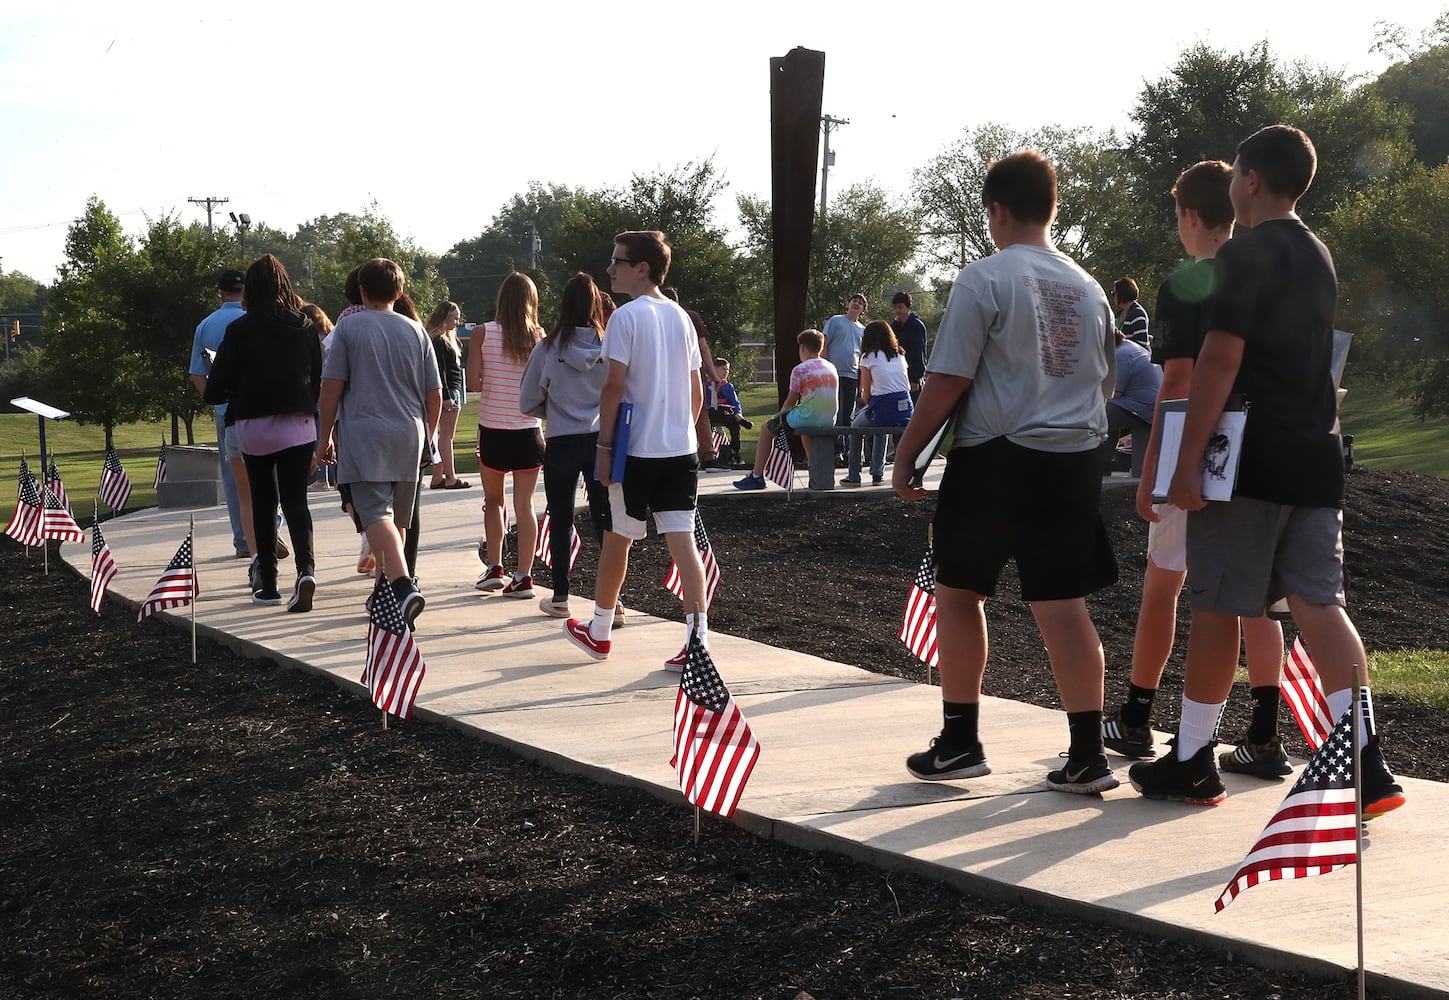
[[797, 85]]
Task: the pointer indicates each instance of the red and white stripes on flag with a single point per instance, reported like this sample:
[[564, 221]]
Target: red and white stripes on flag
[[1303, 691], [543, 551], [780, 469], [714, 749], [720, 438], [918, 627], [161, 467], [178, 585], [24, 525], [395, 667], [103, 567], [56, 521], [1314, 831], [675, 585], [53, 483], [115, 484]]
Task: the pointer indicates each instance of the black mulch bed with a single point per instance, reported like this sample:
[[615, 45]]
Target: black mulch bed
[[234, 829]]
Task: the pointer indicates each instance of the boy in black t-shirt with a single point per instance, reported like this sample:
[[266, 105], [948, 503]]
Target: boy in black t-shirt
[[1204, 224], [1270, 338]]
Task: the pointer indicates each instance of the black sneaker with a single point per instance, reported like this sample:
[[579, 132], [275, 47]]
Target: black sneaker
[[410, 601], [1129, 741], [943, 762], [266, 595], [1086, 777], [1194, 781], [1381, 793], [252, 572], [302, 592], [1261, 760]]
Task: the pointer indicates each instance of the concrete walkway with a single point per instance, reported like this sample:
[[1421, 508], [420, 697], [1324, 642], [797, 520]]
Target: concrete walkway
[[834, 738]]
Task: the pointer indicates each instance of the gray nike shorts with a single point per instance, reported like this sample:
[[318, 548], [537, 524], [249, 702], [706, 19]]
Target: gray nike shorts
[[1246, 554]]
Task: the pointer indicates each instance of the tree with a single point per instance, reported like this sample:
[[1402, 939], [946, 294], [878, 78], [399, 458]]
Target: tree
[[1417, 84], [90, 362], [1393, 267]]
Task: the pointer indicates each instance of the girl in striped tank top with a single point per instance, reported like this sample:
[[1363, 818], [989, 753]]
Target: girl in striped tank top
[[508, 441]]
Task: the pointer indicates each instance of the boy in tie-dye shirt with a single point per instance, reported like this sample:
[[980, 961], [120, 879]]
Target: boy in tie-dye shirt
[[811, 403]]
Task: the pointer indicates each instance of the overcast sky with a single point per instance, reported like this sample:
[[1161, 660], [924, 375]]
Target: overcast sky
[[439, 112]]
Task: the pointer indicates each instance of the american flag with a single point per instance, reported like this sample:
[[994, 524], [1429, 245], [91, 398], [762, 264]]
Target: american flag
[[177, 587], [714, 749], [103, 567], [720, 439], [53, 483], [1303, 691], [24, 526], [1314, 830], [115, 484], [56, 522], [160, 467], [780, 469], [544, 550], [675, 586], [395, 667], [918, 627]]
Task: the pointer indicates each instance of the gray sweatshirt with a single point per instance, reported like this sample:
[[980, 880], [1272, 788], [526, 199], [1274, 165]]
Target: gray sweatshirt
[[563, 388]]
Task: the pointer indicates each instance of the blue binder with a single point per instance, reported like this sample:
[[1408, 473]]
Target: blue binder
[[621, 441]]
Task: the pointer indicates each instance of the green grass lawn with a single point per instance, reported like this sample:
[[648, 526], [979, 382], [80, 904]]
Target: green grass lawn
[[1387, 435]]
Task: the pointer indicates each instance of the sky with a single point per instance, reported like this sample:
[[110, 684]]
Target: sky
[[438, 113]]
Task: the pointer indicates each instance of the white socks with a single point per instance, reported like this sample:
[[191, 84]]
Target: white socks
[[1341, 701], [700, 622], [1198, 726], [603, 623]]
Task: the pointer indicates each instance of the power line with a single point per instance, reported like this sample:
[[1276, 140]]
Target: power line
[[210, 202]]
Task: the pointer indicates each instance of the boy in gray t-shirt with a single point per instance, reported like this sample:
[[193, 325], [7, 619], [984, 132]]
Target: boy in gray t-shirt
[[380, 386]]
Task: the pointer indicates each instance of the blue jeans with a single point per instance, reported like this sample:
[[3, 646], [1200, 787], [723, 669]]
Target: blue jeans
[[881, 411], [845, 408], [228, 488], [565, 458]]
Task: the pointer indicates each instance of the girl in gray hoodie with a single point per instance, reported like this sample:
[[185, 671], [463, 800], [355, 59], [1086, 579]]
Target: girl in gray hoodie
[[561, 384]]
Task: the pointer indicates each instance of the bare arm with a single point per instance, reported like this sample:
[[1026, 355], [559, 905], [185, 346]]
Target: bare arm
[[703, 440], [200, 382], [938, 400], [865, 384], [432, 409], [1212, 383], [331, 396], [474, 374]]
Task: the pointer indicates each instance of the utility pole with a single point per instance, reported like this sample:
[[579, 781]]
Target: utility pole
[[828, 160], [242, 222], [210, 202], [534, 244]]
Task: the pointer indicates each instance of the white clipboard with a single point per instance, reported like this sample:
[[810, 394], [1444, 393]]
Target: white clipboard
[[1220, 462]]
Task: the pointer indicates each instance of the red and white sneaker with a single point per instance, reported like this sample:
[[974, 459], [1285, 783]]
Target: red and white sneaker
[[519, 586], [493, 578], [675, 664], [578, 633]]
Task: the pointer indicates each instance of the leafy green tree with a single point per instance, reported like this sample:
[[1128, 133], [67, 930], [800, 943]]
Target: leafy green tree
[[1417, 83], [1393, 266]]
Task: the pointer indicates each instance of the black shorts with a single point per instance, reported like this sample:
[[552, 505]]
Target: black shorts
[[510, 451], [660, 484], [1001, 501]]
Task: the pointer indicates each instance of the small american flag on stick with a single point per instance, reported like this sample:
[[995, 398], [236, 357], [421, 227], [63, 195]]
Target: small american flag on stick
[[543, 551], [57, 522], [53, 483], [178, 585], [918, 627], [160, 467], [395, 667], [720, 438], [115, 484], [780, 469], [714, 749], [1315, 830], [1303, 691], [24, 526], [675, 585], [103, 567]]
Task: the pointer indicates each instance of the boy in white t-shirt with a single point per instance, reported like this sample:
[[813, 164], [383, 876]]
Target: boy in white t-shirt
[[654, 361]]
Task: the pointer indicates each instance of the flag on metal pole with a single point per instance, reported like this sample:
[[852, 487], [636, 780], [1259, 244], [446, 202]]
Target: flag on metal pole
[[1315, 830], [714, 749], [160, 468], [780, 469], [103, 567], [115, 484], [177, 586], [918, 626], [1303, 691], [675, 585], [395, 667], [24, 525]]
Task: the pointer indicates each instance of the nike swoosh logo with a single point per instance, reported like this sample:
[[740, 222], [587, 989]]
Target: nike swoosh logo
[[941, 765], [1075, 776], [1198, 782]]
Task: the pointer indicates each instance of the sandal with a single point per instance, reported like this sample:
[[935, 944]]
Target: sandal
[[457, 484]]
